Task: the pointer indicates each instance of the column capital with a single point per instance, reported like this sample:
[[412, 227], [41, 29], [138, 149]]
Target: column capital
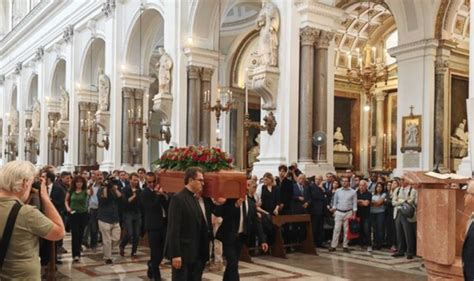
[[206, 74], [193, 71], [308, 35], [380, 95], [127, 92], [84, 105], [441, 66], [324, 38]]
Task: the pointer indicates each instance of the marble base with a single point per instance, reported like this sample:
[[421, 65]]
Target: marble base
[[129, 168], [268, 164], [106, 166], [308, 168], [103, 120], [323, 168], [67, 167], [438, 272]]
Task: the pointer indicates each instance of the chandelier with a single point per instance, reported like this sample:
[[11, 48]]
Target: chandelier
[[369, 69]]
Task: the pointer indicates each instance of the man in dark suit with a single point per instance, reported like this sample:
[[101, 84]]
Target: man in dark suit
[[186, 229], [155, 206], [315, 205], [286, 197], [239, 219]]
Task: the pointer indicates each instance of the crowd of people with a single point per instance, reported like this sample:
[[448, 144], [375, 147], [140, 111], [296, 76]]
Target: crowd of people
[[117, 209]]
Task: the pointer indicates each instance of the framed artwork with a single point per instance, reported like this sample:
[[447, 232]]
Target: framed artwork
[[411, 130]]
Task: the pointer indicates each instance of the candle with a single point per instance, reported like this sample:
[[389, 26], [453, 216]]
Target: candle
[[246, 99], [149, 114], [374, 51], [359, 62], [131, 114], [349, 61], [139, 111], [231, 99]]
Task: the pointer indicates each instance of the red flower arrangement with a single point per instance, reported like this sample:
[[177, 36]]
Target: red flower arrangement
[[210, 159]]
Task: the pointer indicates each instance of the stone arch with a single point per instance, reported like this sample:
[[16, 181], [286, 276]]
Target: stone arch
[[143, 35], [452, 21], [58, 78], [92, 60]]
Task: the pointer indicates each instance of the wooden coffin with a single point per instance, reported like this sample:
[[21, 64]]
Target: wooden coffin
[[224, 183]]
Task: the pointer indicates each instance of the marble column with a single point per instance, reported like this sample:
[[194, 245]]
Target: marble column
[[205, 122], [138, 137], [193, 105], [82, 135], [306, 89], [441, 68], [379, 149], [320, 102], [92, 148], [127, 93]]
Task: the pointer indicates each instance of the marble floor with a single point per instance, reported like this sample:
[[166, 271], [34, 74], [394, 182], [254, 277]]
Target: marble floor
[[358, 265]]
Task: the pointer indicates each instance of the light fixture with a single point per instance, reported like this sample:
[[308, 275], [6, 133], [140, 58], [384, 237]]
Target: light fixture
[[366, 107], [223, 93], [368, 71]]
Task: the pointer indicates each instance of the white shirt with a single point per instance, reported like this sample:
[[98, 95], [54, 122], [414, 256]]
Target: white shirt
[[203, 208], [50, 187], [241, 223]]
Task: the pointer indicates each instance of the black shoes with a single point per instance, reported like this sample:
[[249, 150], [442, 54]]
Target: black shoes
[[409, 257], [331, 249], [109, 261], [122, 251], [346, 250], [398, 255]]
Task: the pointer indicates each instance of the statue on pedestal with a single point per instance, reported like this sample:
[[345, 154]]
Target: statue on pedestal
[[268, 22], [36, 115], [64, 100], [104, 91], [163, 68], [339, 140], [254, 152], [14, 123], [459, 141]]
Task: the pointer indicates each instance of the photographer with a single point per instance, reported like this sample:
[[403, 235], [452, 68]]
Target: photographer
[[108, 216], [21, 260]]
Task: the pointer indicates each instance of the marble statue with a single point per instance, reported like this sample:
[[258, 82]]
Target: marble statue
[[14, 123], [104, 91], [163, 68], [254, 152], [268, 23], [339, 140], [459, 141], [35, 116], [64, 99], [411, 133]]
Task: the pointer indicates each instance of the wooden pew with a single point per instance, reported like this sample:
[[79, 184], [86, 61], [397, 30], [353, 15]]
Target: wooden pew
[[307, 247]]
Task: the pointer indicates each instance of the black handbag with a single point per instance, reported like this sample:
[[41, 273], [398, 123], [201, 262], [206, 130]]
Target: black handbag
[[7, 232]]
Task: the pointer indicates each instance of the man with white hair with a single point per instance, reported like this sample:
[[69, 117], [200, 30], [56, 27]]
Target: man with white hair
[[21, 260]]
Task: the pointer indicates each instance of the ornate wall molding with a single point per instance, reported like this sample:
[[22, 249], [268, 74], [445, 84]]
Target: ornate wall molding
[[108, 7], [68, 33]]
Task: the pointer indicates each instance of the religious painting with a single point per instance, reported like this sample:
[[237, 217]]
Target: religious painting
[[411, 133], [458, 118]]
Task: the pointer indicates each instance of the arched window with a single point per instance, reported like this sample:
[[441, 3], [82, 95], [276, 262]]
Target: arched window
[[390, 42]]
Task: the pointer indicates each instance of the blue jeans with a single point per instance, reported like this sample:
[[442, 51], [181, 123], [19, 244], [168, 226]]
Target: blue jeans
[[378, 222], [132, 223]]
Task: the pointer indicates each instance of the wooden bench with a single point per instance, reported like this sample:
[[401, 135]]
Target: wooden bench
[[307, 246], [278, 247]]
